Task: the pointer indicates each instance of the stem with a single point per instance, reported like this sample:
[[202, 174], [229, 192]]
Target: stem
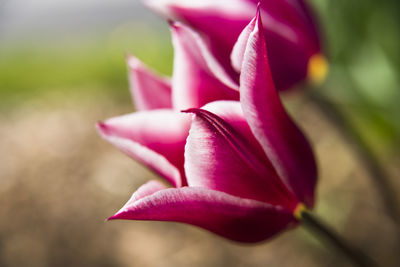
[[357, 257], [377, 173]]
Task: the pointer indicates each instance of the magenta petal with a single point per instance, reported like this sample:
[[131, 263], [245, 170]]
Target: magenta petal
[[197, 76], [221, 157], [283, 142], [290, 29], [219, 22], [149, 90], [157, 138], [297, 16], [235, 218], [240, 46]]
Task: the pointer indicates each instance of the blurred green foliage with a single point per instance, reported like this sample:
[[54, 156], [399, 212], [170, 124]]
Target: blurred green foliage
[[28, 68], [362, 41]]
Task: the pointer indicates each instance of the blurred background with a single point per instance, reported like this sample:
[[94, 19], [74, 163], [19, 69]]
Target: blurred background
[[62, 68]]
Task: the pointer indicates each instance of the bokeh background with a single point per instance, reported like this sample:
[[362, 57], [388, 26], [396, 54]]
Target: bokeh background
[[62, 68]]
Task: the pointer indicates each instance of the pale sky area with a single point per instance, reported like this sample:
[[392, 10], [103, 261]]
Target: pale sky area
[[29, 19]]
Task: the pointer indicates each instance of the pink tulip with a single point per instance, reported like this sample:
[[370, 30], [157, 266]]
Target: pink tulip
[[156, 135], [243, 172], [294, 46]]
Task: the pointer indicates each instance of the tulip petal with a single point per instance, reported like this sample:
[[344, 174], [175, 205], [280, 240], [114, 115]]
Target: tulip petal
[[240, 46], [283, 142], [221, 157], [232, 217], [197, 76], [290, 29], [148, 90], [297, 16], [156, 138]]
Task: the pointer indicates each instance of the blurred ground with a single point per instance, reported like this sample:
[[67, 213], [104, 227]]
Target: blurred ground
[[59, 181]]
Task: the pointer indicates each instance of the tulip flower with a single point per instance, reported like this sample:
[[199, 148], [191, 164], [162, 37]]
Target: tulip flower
[[156, 135], [248, 170], [294, 45]]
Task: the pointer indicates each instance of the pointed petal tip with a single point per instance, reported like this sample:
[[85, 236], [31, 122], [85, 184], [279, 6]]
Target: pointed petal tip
[[104, 130], [258, 7], [101, 127], [112, 218], [241, 44], [179, 28], [190, 110], [133, 62], [119, 215], [171, 22], [258, 16], [175, 25]]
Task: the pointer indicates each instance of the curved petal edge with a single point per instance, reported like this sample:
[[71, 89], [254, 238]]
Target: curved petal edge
[[232, 217]]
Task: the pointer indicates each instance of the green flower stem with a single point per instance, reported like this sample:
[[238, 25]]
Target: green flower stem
[[377, 173], [357, 257]]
